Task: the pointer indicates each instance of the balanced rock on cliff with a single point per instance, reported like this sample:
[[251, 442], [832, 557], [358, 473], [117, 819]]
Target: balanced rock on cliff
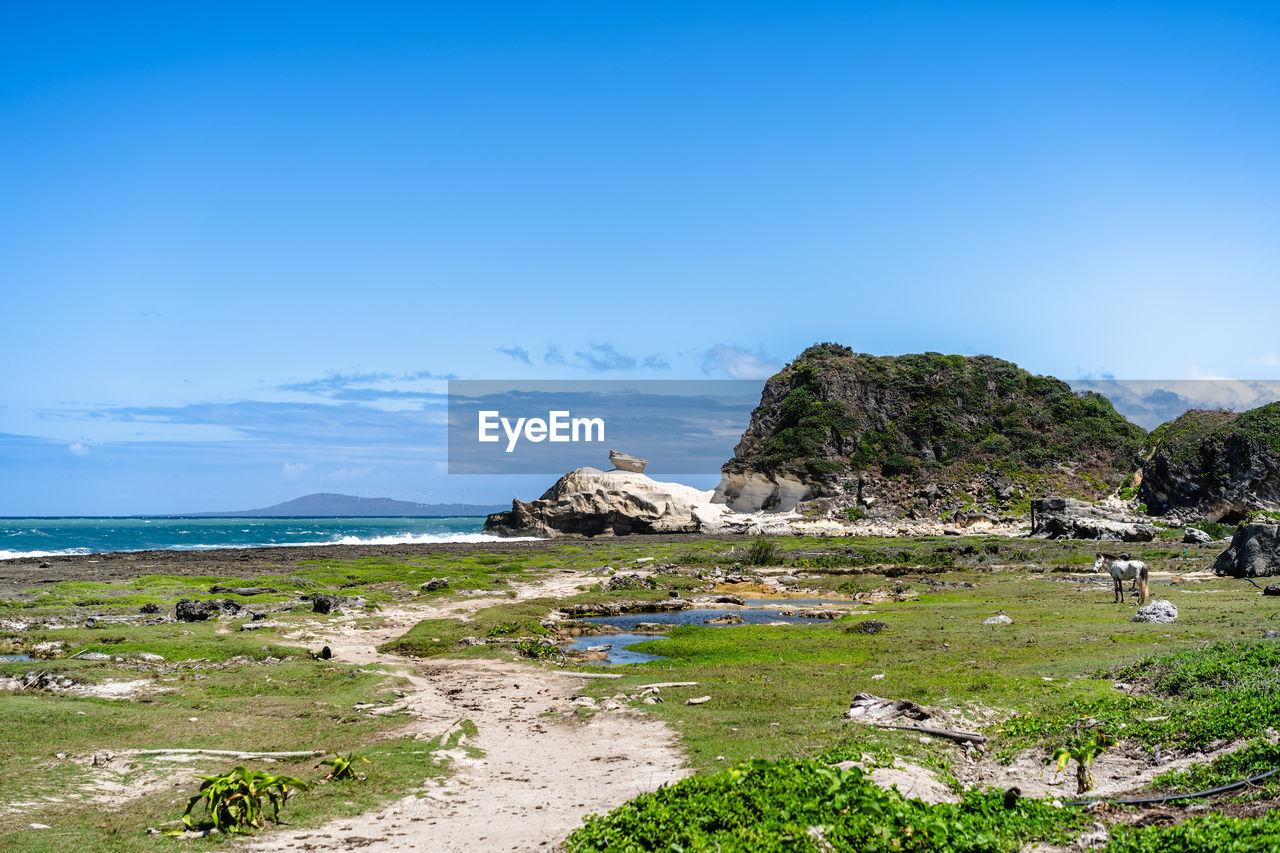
[[590, 502]]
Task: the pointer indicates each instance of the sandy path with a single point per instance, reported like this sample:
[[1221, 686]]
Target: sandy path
[[542, 770]]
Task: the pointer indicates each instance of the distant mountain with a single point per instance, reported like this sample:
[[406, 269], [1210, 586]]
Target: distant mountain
[[349, 506]]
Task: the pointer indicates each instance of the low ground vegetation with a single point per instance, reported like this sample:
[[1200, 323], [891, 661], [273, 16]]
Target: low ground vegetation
[[1069, 667]]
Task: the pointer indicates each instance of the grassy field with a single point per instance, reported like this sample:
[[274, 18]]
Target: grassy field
[[778, 693]]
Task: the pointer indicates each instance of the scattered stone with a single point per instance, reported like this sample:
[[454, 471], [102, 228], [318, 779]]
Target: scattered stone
[[1271, 589], [871, 626], [1158, 610], [188, 610], [1001, 619], [729, 599], [471, 641], [1270, 634], [95, 656], [699, 700], [630, 581], [149, 607], [583, 702], [820, 613], [147, 657], [243, 590], [435, 584], [39, 826], [1195, 536], [726, 619]]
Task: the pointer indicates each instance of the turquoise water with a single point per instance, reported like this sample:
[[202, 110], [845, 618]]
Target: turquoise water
[[41, 537]]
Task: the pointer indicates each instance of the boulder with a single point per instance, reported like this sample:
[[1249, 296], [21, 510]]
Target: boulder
[[1254, 552], [323, 603], [1001, 619], [871, 626], [1067, 518], [726, 619], [590, 502], [1195, 536], [435, 584], [1272, 589], [1157, 610], [188, 610]]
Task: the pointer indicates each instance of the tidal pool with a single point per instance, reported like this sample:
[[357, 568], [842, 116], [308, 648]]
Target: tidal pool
[[751, 615]]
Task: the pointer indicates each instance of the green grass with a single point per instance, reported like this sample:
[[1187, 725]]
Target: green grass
[[787, 805]]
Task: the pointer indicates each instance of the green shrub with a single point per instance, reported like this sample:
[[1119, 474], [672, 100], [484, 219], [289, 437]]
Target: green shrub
[[233, 801], [763, 552]]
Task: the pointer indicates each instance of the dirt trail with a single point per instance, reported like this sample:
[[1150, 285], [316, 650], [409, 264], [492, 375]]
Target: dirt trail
[[542, 770]]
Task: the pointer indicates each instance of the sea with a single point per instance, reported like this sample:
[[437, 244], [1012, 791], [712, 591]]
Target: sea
[[48, 537]]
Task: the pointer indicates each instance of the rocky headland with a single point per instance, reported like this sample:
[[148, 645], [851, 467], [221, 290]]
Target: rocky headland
[[845, 443]]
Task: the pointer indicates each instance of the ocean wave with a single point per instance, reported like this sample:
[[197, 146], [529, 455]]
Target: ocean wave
[[18, 555], [390, 539], [423, 539]]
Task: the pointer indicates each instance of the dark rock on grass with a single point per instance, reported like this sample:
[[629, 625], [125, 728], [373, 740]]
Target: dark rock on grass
[[188, 610], [323, 603], [149, 607], [871, 626], [435, 584], [1272, 589], [1254, 552]]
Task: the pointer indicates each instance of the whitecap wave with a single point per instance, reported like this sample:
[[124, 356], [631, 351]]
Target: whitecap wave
[[423, 539], [18, 555]]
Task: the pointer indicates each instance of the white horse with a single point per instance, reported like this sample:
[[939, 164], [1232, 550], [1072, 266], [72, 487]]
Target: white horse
[[1122, 569]]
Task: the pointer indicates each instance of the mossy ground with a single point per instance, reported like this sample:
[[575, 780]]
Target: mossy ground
[[777, 692]]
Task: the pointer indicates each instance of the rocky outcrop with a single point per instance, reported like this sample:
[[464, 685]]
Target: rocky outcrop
[[897, 434], [590, 502], [1217, 465], [1254, 552], [1066, 518]]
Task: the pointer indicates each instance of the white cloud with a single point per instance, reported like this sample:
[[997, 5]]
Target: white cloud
[[78, 449], [294, 470], [738, 363], [352, 473]]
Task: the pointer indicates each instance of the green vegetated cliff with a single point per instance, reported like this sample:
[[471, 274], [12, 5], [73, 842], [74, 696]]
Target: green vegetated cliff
[[837, 416], [1216, 463]]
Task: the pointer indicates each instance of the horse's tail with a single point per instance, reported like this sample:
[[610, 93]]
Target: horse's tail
[[1143, 592]]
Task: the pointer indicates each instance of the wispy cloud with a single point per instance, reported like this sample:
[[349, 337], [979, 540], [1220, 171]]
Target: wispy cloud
[[599, 358], [517, 353], [365, 386], [738, 363], [78, 449], [294, 470]]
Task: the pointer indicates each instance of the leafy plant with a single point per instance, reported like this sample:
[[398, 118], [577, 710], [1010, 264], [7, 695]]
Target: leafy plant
[[233, 801], [763, 552], [342, 767], [1082, 754]]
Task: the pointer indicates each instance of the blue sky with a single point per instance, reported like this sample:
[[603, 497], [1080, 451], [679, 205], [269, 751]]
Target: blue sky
[[243, 244]]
